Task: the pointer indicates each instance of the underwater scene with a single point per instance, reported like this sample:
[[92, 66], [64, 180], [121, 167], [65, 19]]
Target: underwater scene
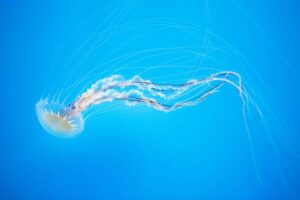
[[148, 100]]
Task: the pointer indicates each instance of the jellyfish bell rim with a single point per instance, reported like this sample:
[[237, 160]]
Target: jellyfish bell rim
[[57, 121]]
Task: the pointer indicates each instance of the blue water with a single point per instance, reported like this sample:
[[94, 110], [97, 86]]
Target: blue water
[[200, 152]]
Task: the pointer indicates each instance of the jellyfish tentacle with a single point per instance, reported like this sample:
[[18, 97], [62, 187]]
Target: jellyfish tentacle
[[139, 90], [170, 107]]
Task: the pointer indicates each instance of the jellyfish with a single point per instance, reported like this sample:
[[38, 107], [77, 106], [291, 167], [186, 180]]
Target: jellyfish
[[67, 120]]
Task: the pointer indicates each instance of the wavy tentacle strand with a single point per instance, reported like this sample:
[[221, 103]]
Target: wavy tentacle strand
[[67, 121], [138, 90]]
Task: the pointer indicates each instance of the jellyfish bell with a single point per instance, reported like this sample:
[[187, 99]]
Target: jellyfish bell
[[58, 119]]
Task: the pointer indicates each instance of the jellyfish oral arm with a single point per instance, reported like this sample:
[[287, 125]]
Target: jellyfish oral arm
[[138, 90]]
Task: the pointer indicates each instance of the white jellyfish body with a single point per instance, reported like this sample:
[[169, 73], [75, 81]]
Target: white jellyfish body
[[58, 119]]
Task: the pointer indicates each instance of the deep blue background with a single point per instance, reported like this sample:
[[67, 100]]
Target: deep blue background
[[201, 152]]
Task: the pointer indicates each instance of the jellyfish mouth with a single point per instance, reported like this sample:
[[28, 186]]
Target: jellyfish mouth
[[57, 123], [56, 119]]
